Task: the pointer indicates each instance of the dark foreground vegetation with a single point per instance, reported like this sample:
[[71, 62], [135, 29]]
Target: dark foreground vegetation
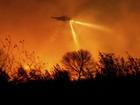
[[79, 77]]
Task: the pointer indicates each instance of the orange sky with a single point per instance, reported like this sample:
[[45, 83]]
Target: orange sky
[[31, 20]]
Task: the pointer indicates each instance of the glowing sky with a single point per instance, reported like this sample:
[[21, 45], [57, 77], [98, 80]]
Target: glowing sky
[[31, 20]]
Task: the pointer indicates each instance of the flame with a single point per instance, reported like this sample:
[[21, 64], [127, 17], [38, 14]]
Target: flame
[[74, 35], [94, 26]]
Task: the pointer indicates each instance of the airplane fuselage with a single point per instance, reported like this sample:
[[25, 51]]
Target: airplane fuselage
[[62, 18]]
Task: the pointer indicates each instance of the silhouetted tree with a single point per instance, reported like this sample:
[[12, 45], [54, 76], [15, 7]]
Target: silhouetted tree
[[80, 63]]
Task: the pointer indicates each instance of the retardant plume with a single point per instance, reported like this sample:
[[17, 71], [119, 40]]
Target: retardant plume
[[94, 26], [74, 36]]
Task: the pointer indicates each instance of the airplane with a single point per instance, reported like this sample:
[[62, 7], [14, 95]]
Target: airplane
[[62, 18]]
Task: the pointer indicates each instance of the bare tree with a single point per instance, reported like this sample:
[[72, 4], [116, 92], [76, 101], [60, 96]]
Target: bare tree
[[80, 63]]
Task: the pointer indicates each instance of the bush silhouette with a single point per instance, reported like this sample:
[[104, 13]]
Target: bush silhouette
[[35, 75], [22, 75], [3, 77], [108, 65], [60, 74]]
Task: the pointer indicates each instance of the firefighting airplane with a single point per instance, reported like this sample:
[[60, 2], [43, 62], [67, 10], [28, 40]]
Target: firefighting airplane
[[62, 18]]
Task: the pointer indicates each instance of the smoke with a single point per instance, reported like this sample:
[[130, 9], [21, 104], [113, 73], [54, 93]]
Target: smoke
[[122, 16], [30, 20]]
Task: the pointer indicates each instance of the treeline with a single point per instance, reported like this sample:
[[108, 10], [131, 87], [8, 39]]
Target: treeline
[[77, 65]]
